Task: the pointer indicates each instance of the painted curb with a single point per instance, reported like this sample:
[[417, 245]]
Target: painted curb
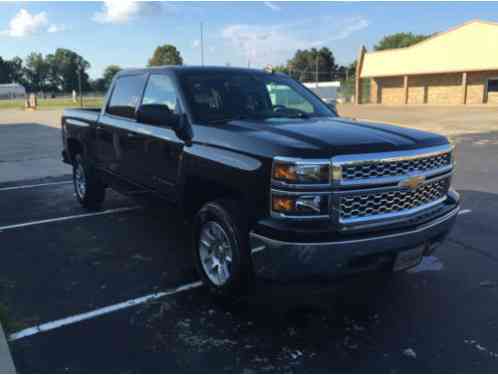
[[6, 363]]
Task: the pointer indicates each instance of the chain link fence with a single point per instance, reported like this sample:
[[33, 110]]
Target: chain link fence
[[51, 100], [346, 91]]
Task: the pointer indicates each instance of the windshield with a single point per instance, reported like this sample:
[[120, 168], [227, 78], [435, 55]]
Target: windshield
[[225, 96]]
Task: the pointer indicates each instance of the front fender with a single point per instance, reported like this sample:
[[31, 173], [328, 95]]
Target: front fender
[[244, 174]]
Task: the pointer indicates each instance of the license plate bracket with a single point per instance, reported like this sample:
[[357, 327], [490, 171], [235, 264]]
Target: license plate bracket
[[408, 258]]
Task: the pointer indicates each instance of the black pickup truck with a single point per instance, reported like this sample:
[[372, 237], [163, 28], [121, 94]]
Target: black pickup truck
[[277, 185]]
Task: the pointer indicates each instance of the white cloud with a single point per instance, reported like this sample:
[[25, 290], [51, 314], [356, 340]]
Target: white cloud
[[24, 24], [122, 11], [264, 45], [272, 6], [56, 28], [196, 43], [350, 26]]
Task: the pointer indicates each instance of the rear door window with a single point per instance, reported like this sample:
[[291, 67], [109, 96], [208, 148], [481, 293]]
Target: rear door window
[[126, 96]]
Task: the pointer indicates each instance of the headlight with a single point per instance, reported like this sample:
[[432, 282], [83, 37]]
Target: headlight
[[285, 205], [297, 172]]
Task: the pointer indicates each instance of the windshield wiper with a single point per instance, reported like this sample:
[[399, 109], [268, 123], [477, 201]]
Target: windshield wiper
[[228, 119], [302, 114], [294, 113]]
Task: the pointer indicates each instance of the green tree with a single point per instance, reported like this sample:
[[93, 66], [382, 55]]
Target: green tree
[[399, 40], [11, 70], [351, 68], [306, 63], [98, 85], [36, 72], [64, 68], [109, 74], [281, 69], [4, 71], [17, 71], [166, 55]]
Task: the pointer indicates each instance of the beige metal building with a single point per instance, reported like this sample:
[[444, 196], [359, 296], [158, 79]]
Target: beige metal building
[[459, 66]]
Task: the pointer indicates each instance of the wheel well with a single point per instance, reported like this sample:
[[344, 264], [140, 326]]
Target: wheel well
[[74, 147], [199, 191]]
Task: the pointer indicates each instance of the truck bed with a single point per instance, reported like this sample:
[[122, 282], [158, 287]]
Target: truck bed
[[88, 115]]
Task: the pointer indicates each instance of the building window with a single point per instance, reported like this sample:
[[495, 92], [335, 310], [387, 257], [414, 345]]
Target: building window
[[493, 85]]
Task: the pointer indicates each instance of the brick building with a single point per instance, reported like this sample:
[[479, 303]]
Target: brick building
[[459, 66]]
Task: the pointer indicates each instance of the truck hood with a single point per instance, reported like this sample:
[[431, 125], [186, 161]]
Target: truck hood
[[318, 137]]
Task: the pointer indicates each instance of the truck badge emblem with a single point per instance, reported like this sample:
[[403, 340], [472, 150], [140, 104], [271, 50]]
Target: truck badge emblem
[[412, 182]]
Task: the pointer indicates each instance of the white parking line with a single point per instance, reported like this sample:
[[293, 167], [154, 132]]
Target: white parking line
[[35, 186], [463, 212], [99, 312], [65, 218]]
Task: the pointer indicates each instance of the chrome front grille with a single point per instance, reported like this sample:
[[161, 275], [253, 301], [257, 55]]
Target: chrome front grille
[[376, 169], [370, 205], [380, 188]]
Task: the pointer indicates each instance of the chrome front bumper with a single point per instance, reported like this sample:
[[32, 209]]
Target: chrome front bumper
[[287, 261]]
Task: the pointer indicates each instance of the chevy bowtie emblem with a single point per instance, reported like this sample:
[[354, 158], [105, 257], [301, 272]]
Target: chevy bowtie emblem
[[412, 183]]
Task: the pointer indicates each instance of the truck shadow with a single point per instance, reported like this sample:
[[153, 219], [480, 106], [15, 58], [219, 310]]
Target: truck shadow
[[358, 324]]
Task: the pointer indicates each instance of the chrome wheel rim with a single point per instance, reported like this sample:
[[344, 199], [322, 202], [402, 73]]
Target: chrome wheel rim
[[80, 181], [215, 253]]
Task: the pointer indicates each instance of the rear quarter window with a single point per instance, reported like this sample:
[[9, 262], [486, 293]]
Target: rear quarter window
[[126, 95]]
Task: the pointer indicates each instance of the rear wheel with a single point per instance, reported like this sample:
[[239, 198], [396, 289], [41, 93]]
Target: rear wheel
[[89, 189], [221, 249]]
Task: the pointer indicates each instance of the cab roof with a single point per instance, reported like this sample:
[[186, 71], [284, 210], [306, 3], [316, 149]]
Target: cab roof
[[193, 69]]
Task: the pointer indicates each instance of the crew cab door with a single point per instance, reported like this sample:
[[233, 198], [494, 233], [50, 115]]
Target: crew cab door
[[161, 150], [115, 149]]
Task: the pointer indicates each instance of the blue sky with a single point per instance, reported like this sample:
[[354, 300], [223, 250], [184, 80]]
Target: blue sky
[[126, 33]]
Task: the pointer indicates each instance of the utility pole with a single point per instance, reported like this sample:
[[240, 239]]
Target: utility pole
[[316, 69], [202, 43], [79, 86]]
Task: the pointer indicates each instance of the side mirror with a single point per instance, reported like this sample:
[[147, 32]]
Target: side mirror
[[184, 131], [157, 114], [161, 115]]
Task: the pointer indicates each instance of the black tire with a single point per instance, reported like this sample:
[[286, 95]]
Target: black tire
[[94, 191], [227, 214]]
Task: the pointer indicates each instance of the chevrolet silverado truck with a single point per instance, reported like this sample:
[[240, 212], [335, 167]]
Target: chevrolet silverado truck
[[275, 183]]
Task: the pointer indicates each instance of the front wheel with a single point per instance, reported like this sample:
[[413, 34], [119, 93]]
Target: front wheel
[[89, 189], [221, 249]]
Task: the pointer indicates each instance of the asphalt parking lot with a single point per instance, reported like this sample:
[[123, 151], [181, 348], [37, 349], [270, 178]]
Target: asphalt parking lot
[[99, 292]]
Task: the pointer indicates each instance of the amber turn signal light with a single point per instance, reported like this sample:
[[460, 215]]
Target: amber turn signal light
[[284, 172], [282, 204]]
